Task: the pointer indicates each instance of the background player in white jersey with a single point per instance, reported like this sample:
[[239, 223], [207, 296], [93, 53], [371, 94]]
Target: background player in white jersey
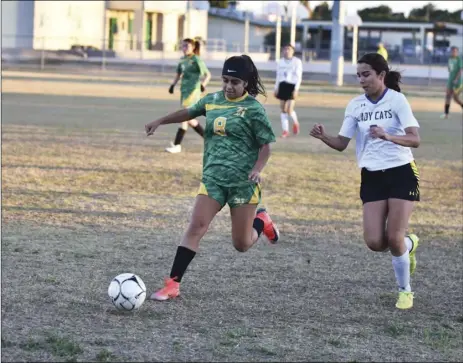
[[385, 130], [288, 81]]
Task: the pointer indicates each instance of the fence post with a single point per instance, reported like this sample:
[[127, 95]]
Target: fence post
[[103, 60], [42, 55], [163, 57], [430, 74]]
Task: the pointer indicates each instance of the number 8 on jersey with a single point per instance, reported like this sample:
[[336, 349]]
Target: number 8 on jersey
[[219, 126]]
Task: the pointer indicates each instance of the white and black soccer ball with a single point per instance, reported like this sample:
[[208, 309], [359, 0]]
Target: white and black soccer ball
[[127, 292]]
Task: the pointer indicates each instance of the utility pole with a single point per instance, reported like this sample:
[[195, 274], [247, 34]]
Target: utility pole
[[337, 43]]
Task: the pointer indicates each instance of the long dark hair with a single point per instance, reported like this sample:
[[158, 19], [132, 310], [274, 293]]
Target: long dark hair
[[247, 72], [196, 45], [379, 64]]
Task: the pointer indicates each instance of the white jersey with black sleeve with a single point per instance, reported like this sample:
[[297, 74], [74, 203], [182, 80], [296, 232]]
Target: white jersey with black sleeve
[[289, 71], [393, 113]]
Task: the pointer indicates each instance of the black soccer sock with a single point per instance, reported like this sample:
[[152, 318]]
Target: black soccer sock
[[447, 107], [258, 225], [183, 257], [179, 136], [199, 129]]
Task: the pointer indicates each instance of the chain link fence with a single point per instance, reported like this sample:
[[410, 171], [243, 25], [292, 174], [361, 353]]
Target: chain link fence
[[52, 53]]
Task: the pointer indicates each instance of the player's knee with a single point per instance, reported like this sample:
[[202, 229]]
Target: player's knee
[[376, 243], [395, 240], [241, 245], [197, 227]]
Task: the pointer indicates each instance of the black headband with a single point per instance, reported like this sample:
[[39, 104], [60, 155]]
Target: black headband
[[236, 67]]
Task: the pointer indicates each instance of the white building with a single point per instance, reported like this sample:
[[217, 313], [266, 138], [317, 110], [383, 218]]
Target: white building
[[227, 27], [117, 25]]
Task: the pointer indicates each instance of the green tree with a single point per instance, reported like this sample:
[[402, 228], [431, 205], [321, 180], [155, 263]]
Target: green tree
[[378, 13], [221, 4], [322, 12]]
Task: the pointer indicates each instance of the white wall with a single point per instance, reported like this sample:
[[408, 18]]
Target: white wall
[[166, 6], [232, 31], [17, 24], [124, 4], [60, 24]]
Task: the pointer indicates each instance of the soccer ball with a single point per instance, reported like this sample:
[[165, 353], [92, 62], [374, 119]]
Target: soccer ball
[[127, 292]]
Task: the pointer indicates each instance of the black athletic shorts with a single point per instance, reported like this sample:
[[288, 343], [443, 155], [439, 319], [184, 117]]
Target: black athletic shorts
[[401, 182], [285, 91]]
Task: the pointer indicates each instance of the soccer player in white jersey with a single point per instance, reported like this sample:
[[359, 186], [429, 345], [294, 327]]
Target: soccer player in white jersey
[[385, 130], [288, 81]]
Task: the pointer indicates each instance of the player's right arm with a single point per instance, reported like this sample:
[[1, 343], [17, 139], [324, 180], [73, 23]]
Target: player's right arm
[[178, 75], [179, 116], [338, 142], [347, 132]]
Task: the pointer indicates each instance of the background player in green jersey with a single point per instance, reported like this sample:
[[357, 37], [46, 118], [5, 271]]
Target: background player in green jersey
[[236, 148], [455, 81], [190, 69]]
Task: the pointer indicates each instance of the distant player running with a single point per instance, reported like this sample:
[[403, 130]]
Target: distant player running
[[190, 69], [454, 82], [288, 81], [385, 130], [236, 149]]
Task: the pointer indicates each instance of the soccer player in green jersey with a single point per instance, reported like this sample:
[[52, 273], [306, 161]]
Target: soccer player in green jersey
[[455, 81], [236, 149], [190, 69]]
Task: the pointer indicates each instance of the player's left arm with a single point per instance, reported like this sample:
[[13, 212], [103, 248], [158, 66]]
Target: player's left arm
[[410, 139], [299, 71], [409, 123], [204, 71], [264, 136], [458, 74]]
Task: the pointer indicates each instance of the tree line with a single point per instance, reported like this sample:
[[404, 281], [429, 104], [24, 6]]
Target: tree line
[[426, 14]]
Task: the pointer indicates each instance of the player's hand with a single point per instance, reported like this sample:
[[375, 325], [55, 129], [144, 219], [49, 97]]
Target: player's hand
[[377, 132], [295, 93], [275, 93], [151, 127], [203, 88], [318, 131], [254, 176], [171, 89]]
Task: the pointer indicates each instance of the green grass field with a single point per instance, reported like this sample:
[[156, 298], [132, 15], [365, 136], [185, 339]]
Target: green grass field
[[86, 196]]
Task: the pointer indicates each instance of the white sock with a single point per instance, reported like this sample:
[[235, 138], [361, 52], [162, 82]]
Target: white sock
[[409, 244], [401, 266], [294, 117], [284, 121]]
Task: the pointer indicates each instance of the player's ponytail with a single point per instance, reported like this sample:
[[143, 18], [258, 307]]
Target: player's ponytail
[[392, 80], [255, 86], [379, 64], [197, 48]]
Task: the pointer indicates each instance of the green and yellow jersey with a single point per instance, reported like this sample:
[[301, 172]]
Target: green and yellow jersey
[[455, 65], [234, 133], [191, 68]]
